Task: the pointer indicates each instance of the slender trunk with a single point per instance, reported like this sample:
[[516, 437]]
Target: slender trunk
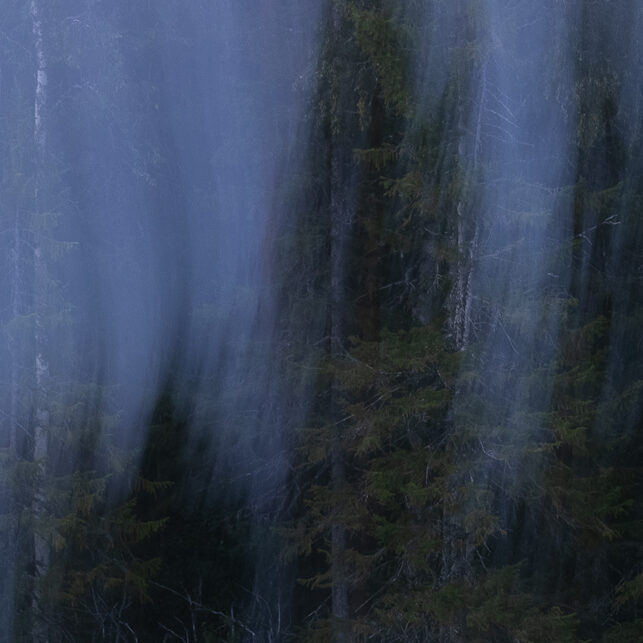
[[371, 220], [14, 348], [41, 365], [340, 222], [457, 564], [339, 216], [467, 243]]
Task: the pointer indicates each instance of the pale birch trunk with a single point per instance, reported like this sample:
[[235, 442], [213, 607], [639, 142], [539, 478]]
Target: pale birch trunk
[[41, 365], [467, 243], [456, 563]]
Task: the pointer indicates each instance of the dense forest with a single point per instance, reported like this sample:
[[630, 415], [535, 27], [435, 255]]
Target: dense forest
[[321, 321]]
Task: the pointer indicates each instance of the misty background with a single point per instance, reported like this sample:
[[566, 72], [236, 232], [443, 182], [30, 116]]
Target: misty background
[[320, 320]]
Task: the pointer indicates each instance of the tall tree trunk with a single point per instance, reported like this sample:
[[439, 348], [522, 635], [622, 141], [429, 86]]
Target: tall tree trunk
[[339, 216], [467, 243], [14, 340], [41, 365], [340, 225]]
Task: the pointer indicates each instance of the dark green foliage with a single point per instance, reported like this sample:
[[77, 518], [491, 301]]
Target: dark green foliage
[[471, 525], [467, 516]]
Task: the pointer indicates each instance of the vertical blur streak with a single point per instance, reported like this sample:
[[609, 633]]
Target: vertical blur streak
[[235, 101], [519, 157], [179, 139], [170, 126], [518, 151], [511, 66]]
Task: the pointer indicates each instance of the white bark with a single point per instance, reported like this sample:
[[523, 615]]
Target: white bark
[[467, 246], [41, 366], [41, 78]]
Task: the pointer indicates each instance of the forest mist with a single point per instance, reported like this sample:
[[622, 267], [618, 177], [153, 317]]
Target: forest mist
[[321, 320]]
